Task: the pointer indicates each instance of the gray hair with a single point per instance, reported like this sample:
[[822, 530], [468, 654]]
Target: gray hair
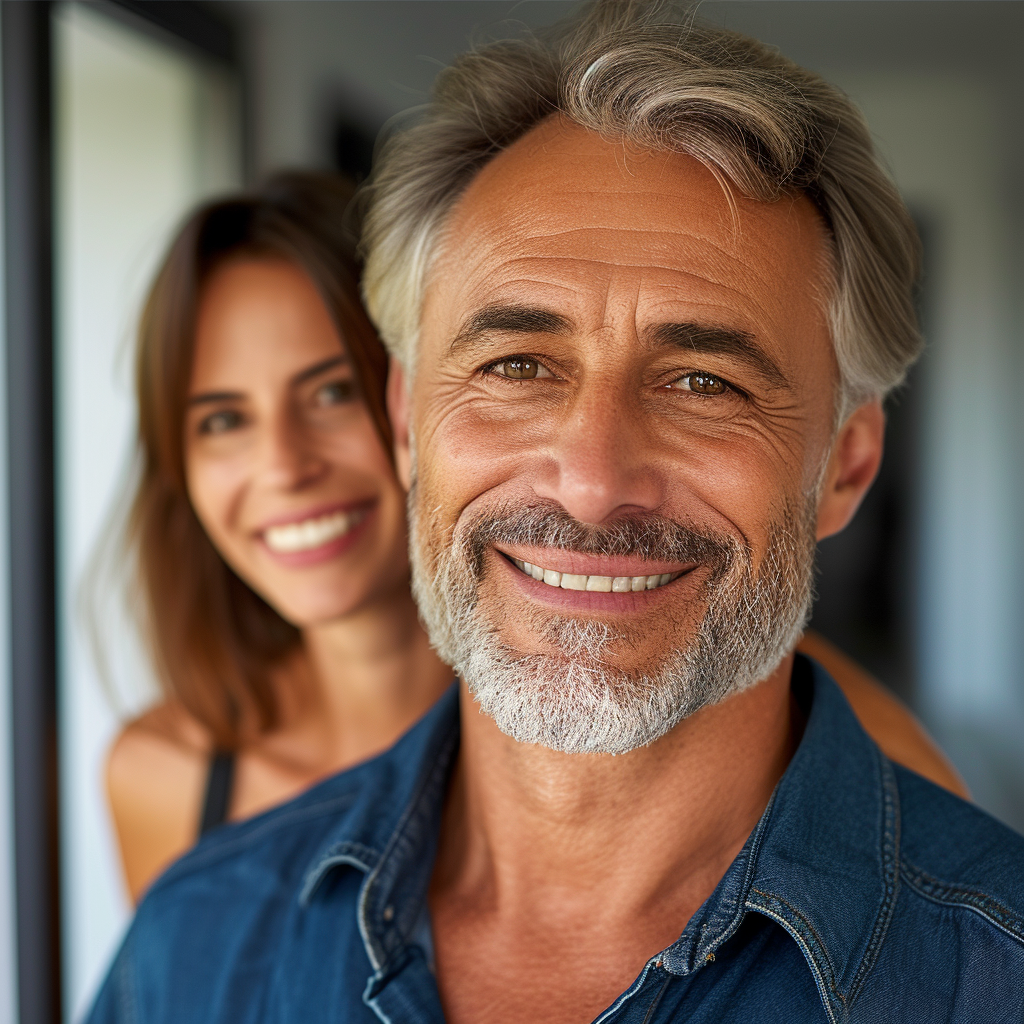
[[650, 74]]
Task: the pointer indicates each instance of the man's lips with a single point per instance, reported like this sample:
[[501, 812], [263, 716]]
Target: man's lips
[[595, 574], [576, 563]]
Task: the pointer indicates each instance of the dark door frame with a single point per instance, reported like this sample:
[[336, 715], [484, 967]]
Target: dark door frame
[[28, 272], [26, 76]]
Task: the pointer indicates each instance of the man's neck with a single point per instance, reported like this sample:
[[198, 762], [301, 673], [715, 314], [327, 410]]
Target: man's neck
[[601, 850]]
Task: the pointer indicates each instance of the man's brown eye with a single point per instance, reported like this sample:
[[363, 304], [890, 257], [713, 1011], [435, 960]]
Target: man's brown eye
[[519, 368], [700, 384]]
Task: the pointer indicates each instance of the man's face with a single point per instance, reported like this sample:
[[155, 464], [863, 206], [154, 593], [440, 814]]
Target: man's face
[[624, 384]]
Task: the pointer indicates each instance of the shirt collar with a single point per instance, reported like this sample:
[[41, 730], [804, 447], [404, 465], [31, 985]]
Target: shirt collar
[[391, 831], [822, 861]]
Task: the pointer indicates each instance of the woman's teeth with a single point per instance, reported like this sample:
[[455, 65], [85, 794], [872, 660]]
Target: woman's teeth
[[311, 533], [599, 584]]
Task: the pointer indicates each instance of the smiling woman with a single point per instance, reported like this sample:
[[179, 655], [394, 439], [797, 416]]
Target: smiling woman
[[267, 531]]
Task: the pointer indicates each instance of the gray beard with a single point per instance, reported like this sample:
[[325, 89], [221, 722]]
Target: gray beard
[[572, 700]]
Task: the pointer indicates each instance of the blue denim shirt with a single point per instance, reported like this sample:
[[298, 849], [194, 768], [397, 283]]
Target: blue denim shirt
[[864, 894]]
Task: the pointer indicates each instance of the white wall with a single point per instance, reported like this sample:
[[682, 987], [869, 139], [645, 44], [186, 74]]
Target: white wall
[[143, 131]]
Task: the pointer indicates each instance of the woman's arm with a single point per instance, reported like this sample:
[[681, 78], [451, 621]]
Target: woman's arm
[[899, 734]]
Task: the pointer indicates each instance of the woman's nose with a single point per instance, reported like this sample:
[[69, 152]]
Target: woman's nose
[[291, 459]]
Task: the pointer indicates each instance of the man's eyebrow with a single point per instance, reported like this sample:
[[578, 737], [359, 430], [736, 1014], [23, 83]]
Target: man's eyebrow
[[509, 319], [705, 339], [212, 397]]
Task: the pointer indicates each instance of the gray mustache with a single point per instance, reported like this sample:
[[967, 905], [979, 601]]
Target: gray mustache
[[642, 535]]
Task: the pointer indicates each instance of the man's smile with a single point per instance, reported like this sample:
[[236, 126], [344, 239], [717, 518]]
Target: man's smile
[[595, 583], [574, 582]]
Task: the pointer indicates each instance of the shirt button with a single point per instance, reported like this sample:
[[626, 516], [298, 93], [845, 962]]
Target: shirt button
[[389, 913]]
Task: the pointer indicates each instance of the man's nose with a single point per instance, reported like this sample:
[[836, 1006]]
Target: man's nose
[[599, 458], [290, 459]]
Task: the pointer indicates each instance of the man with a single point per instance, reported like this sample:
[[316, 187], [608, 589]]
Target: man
[[646, 286]]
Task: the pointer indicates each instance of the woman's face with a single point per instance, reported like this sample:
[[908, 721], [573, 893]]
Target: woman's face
[[284, 467]]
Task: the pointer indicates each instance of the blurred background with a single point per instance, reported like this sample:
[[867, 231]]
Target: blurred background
[[118, 117]]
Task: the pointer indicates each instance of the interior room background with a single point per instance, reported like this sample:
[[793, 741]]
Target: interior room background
[[154, 111]]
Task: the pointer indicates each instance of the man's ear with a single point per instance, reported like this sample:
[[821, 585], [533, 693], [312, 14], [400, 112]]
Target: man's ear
[[852, 468], [398, 412]]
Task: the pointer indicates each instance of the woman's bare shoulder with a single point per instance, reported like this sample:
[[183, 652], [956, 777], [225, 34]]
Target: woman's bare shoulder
[[900, 735], [156, 773]]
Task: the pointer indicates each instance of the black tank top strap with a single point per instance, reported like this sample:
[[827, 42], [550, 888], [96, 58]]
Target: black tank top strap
[[219, 782]]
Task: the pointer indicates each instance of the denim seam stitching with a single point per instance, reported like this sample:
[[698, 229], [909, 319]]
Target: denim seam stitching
[[807, 938], [440, 767], [947, 894], [890, 874], [656, 1002], [628, 994], [128, 997]]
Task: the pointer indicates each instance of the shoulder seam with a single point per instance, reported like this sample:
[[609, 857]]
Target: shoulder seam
[[949, 894]]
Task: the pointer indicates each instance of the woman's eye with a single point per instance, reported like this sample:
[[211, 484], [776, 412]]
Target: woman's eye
[[336, 393], [520, 368], [700, 384], [220, 422]]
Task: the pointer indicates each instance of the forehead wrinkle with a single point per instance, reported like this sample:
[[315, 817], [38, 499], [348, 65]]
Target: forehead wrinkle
[[662, 293], [715, 260]]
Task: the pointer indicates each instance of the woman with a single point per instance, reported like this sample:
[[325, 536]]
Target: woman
[[269, 536], [268, 528]]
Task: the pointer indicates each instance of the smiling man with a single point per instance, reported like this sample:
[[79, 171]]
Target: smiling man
[[646, 286]]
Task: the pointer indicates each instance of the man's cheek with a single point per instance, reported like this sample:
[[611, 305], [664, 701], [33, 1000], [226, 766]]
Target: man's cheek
[[467, 461]]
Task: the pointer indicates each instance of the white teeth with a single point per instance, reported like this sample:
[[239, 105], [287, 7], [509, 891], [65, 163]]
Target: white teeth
[[311, 533], [596, 584]]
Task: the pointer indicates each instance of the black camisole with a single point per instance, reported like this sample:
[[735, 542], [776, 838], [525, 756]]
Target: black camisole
[[217, 800]]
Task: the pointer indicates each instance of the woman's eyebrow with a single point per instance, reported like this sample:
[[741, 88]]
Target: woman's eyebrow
[[207, 397], [318, 368], [215, 396]]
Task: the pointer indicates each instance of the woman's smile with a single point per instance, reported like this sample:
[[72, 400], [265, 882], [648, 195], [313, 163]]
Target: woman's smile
[[317, 536]]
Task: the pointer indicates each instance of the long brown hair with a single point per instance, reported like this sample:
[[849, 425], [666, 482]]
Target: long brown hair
[[215, 641]]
